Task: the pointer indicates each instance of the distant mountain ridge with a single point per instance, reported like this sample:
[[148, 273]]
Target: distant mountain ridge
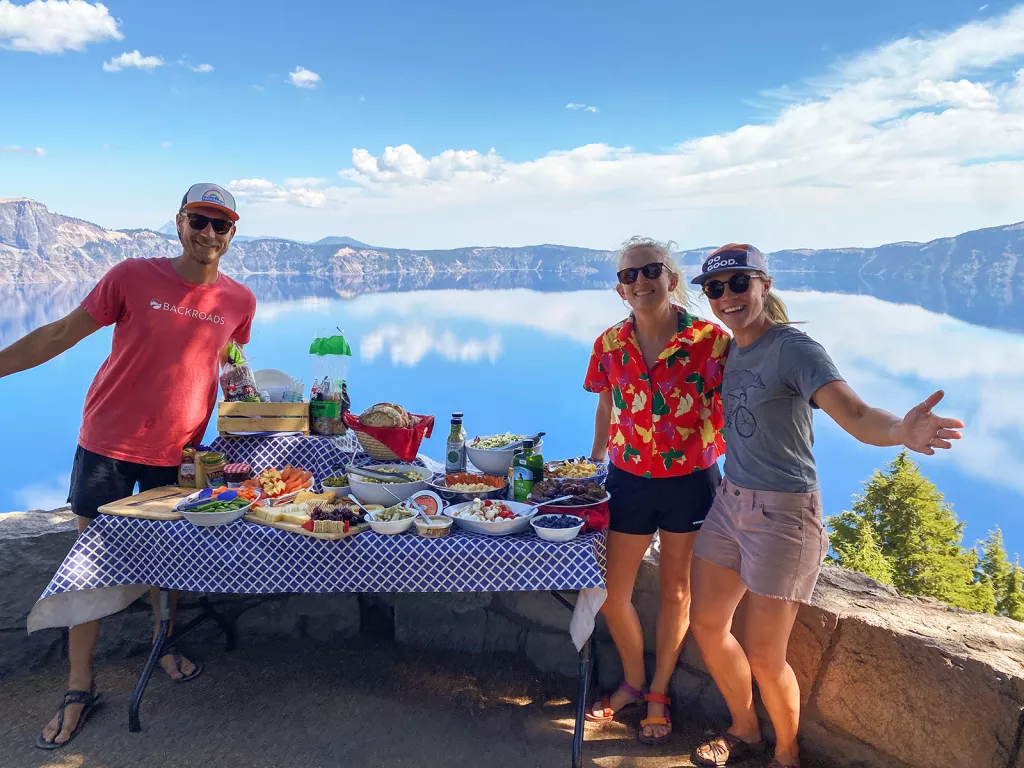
[[981, 270]]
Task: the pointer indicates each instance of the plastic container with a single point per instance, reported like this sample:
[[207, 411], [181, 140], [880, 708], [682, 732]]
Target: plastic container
[[213, 469], [331, 359]]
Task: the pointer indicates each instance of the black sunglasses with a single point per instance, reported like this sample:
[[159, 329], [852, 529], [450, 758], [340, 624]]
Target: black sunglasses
[[198, 222], [651, 271], [738, 283]]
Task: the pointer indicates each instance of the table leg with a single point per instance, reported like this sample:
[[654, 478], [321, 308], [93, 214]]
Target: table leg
[[226, 626], [581, 704], [147, 671]]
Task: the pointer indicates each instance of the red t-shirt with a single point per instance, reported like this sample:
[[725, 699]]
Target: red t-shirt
[[158, 388], [666, 421]]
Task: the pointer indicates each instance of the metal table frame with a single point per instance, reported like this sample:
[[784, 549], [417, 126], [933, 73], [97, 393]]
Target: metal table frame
[[227, 625]]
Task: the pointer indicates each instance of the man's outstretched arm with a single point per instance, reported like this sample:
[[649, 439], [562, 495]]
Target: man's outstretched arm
[[47, 342]]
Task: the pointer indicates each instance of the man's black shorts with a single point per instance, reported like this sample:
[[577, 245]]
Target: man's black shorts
[[642, 505], [97, 480]]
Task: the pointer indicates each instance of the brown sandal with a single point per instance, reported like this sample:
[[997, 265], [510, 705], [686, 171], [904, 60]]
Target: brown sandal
[[776, 764], [728, 749]]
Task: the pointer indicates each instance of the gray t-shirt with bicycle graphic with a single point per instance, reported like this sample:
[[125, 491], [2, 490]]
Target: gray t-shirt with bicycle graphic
[[766, 393]]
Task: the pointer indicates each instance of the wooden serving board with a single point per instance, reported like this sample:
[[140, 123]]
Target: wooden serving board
[[292, 528], [154, 504]]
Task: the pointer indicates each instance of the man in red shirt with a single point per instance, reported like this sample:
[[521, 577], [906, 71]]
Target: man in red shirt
[[173, 319]]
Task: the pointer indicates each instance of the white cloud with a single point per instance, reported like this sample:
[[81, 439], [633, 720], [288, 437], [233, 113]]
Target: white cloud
[[55, 26], [304, 78], [305, 181], [409, 344], [203, 68], [132, 60], [166, 144], [362, 98], [16, 150], [49, 496], [403, 165], [581, 107], [961, 93], [261, 190], [920, 133], [257, 87]]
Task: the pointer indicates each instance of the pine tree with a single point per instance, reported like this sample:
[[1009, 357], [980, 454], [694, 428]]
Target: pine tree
[[863, 552], [919, 536], [995, 565], [1011, 599], [994, 569]]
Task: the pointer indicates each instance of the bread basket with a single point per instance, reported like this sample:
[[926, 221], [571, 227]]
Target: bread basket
[[391, 443]]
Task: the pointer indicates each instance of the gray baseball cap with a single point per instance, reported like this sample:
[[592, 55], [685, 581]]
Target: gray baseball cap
[[208, 195], [731, 258]]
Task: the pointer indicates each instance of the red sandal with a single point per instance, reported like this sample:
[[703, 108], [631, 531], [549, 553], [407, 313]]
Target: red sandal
[[657, 698], [605, 705]]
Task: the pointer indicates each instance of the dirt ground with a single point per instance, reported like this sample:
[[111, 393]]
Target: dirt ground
[[299, 705]]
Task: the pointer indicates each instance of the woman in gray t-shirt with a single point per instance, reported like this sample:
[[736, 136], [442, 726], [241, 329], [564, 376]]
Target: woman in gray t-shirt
[[764, 534]]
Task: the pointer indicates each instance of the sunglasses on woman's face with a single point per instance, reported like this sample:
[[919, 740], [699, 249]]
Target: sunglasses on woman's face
[[738, 283], [651, 271], [198, 222]]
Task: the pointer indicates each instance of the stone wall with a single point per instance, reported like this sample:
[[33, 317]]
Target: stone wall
[[886, 680]]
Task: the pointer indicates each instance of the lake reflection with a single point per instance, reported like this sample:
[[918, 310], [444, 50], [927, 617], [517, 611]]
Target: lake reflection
[[514, 360]]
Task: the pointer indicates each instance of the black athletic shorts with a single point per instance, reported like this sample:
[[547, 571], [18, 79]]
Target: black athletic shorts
[[97, 480], [642, 505]]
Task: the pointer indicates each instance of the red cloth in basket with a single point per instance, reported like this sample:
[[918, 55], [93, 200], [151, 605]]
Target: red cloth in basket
[[404, 442]]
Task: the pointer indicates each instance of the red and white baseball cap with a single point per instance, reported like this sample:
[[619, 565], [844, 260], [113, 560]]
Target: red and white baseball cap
[[206, 196]]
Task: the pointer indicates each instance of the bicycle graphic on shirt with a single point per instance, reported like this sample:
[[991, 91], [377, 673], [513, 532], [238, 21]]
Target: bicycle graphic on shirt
[[735, 389]]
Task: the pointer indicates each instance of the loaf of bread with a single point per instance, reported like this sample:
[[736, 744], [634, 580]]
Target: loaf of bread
[[384, 415]]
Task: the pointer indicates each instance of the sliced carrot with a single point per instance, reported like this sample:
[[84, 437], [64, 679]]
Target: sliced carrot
[[306, 477]]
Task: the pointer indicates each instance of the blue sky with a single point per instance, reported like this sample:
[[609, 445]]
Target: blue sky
[[821, 125]]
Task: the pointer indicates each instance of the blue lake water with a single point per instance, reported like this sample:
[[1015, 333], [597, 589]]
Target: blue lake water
[[514, 360]]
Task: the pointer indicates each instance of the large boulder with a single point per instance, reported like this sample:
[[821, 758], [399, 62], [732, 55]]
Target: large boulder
[[916, 680]]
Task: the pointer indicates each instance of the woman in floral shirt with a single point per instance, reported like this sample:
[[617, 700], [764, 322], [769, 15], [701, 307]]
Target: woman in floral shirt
[[659, 421]]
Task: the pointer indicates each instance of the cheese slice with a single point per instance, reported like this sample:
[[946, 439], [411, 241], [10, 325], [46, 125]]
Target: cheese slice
[[293, 514], [267, 514]]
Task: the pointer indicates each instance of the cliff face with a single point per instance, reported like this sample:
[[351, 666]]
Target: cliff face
[[38, 246], [977, 276]]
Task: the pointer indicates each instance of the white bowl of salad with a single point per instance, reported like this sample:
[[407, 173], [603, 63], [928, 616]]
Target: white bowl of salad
[[492, 517], [490, 456]]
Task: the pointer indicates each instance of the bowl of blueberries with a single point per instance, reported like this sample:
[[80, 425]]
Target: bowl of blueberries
[[558, 527]]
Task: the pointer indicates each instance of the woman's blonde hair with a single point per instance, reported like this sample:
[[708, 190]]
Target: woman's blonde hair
[[679, 295], [774, 307]]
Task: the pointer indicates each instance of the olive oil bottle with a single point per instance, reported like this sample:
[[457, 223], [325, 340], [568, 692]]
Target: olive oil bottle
[[527, 469]]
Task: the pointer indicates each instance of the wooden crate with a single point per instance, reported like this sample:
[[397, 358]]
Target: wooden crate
[[263, 417]]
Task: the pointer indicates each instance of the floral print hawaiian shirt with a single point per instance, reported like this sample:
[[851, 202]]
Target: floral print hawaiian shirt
[[666, 421]]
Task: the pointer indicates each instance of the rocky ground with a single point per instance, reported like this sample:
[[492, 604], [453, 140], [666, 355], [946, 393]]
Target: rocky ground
[[302, 705]]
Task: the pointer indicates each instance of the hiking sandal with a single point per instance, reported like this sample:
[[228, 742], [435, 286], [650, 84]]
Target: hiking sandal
[[172, 651], [728, 749], [605, 704], [666, 720], [90, 699]]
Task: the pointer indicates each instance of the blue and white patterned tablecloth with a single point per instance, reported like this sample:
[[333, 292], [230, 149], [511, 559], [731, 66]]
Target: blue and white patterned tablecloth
[[115, 559], [319, 454]]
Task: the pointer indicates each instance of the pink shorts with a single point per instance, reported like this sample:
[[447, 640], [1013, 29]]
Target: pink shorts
[[775, 541]]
